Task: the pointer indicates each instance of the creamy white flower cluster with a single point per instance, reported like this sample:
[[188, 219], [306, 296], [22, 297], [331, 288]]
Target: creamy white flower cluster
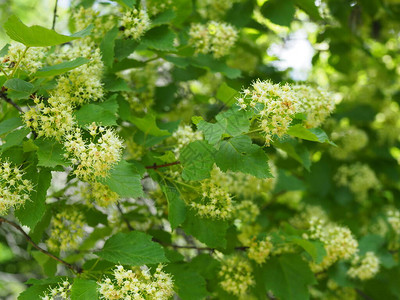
[[183, 136], [84, 17], [94, 158], [14, 190], [53, 120], [277, 104], [387, 123], [66, 230], [236, 275], [259, 251], [135, 23], [349, 139], [364, 268], [62, 291], [214, 9], [137, 284], [155, 7], [215, 202], [246, 211], [82, 84], [30, 62], [214, 37], [338, 241], [393, 217], [359, 178], [246, 185], [100, 193], [316, 103]]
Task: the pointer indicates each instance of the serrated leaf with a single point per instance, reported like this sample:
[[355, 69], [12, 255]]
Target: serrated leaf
[[61, 68], [310, 8], [216, 66], [239, 154], [294, 149], [19, 85], [208, 231], [107, 47], [163, 18], [14, 138], [197, 159], [288, 277], [176, 206], [38, 36], [83, 289], [50, 153], [312, 134], [227, 94], [148, 125], [133, 248], [314, 248], [279, 12], [96, 113], [124, 179], [32, 211], [160, 38]]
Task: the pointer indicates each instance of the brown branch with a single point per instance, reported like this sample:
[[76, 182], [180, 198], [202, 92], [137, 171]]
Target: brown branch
[[29, 239], [8, 100], [242, 248], [123, 217], [155, 166], [53, 26]]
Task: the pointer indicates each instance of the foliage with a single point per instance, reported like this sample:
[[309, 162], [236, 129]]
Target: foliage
[[159, 151]]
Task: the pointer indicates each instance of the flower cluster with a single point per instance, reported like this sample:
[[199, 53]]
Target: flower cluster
[[82, 84], [246, 185], [100, 193], [53, 120], [135, 23], [83, 17], [387, 123], [29, 61], [364, 268], [393, 217], [137, 284], [214, 37], [66, 230], [246, 211], [14, 190], [62, 291], [236, 275], [214, 9], [155, 7], [359, 178], [259, 251], [338, 241], [349, 140], [95, 157], [183, 136]]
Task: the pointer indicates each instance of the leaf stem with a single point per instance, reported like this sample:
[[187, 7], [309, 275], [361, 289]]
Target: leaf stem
[[155, 166], [19, 61], [73, 268], [4, 72], [53, 26]]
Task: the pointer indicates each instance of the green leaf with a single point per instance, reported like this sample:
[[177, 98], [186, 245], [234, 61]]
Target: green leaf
[[314, 248], [232, 123], [96, 113], [208, 231], [32, 211], [107, 47], [163, 18], [10, 124], [19, 85], [160, 38], [294, 149], [238, 154], [279, 12], [216, 66], [48, 265], [227, 94], [312, 134], [62, 67], [176, 206], [288, 277], [50, 153], [83, 289], [124, 179], [133, 248], [4, 50], [115, 84], [38, 36], [14, 138], [127, 3], [148, 125], [310, 8], [197, 159]]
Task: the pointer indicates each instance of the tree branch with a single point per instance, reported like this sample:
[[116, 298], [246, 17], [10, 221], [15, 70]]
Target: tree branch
[[29, 239], [123, 217], [53, 26], [8, 100], [155, 166]]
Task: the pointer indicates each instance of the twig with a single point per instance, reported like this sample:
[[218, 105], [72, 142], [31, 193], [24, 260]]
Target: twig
[[53, 26], [8, 100], [123, 217], [363, 295], [29, 239], [242, 248], [155, 166]]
